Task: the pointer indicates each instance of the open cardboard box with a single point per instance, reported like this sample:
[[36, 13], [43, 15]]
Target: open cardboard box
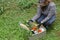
[[34, 36], [39, 35]]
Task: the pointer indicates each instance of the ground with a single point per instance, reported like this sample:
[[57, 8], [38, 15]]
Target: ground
[[12, 15]]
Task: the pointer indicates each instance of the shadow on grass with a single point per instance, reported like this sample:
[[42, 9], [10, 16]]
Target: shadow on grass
[[50, 28]]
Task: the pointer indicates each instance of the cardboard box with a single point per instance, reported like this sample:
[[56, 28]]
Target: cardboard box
[[38, 36]]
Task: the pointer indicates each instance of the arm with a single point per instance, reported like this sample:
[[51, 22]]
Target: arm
[[51, 12], [38, 13]]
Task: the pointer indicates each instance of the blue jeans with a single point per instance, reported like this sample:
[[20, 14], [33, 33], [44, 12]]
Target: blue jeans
[[49, 22]]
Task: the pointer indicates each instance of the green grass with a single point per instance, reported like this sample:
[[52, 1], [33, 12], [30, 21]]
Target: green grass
[[12, 14]]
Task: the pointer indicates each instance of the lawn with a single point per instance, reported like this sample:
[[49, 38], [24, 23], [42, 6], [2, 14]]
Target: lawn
[[12, 13]]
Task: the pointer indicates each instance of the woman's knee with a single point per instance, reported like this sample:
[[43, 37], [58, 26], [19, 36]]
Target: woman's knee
[[37, 21], [48, 23]]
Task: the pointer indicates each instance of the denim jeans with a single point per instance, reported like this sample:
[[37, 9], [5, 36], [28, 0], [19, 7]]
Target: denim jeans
[[48, 22]]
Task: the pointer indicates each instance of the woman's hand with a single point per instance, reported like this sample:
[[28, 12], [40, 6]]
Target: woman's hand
[[30, 22]]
